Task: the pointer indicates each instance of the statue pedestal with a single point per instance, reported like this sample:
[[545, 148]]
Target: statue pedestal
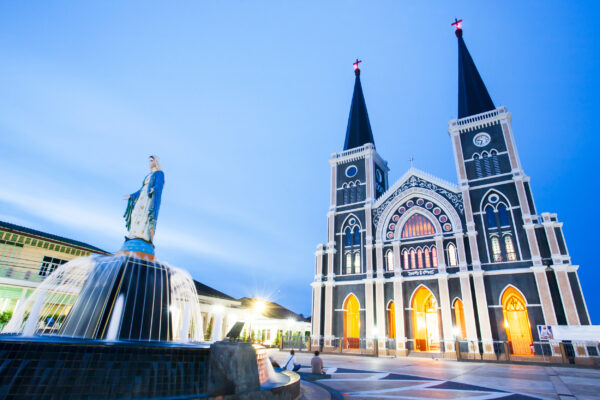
[[232, 368]]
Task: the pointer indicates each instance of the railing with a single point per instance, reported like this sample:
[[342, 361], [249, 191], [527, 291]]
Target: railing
[[295, 343], [352, 151], [478, 117]]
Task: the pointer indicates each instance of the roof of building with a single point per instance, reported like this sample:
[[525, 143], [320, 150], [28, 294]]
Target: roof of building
[[473, 97], [359, 131], [205, 290], [32, 232], [274, 310]]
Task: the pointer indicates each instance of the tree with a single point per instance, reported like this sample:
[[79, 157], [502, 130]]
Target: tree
[[5, 317], [208, 333], [277, 340]]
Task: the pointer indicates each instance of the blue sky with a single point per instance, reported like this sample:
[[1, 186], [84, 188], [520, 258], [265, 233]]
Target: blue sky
[[244, 101]]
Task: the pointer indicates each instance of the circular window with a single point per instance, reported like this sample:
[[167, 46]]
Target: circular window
[[443, 218], [420, 202], [390, 235], [351, 171], [437, 211], [493, 198], [352, 221], [392, 227], [395, 218], [447, 227], [401, 210], [410, 203], [429, 205]]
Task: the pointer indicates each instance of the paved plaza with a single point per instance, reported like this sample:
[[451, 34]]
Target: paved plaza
[[355, 377]]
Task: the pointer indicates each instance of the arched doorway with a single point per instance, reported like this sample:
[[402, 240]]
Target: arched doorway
[[351, 322], [426, 333], [459, 317], [391, 320], [516, 322]]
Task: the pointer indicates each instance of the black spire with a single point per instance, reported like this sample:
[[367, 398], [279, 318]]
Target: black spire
[[359, 128], [473, 97]]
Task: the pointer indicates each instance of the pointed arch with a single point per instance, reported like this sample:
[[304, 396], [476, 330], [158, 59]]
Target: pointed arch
[[459, 318], [516, 321], [351, 321], [426, 333], [484, 199], [418, 225], [389, 258], [391, 319]]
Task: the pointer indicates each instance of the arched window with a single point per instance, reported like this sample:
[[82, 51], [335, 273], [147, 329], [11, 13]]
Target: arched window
[[420, 258], [503, 215], [413, 261], [486, 164], [348, 263], [405, 256], [416, 226], [390, 260], [352, 193], [434, 260], [357, 262], [497, 254], [348, 237], [427, 258], [346, 195], [452, 255], [510, 248], [356, 236], [490, 216], [477, 162], [495, 162]]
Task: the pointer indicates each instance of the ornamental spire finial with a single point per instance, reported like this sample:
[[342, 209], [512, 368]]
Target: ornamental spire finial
[[457, 23], [356, 69]]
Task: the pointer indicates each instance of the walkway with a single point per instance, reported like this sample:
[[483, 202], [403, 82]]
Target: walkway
[[356, 377]]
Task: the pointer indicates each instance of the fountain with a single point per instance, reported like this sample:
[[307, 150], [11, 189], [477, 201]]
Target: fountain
[[127, 326]]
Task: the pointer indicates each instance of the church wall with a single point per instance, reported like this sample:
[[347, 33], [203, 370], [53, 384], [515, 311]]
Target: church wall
[[388, 292], [529, 198], [559, 309], [579, 301], [454, 290], [542, 239]]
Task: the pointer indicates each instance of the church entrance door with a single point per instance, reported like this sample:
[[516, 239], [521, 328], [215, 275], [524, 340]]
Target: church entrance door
[[516, 322], [426, 332], [351, 323]]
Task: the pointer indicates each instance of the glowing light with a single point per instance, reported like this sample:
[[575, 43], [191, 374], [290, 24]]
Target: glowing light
[[356, 64], [259, 306], [506, 324], [218, 309], [456, 332]]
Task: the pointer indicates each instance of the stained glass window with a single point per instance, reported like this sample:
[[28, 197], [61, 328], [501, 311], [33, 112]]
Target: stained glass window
[[348, 263], [503, 215], [390, 260], [427, 259], [491, 217], [413, 262], [356, 236], [434, 256], [510, 248], [496, 249], [417, 225], [420, 258], [452, 255], [406, 266], [357, 262]]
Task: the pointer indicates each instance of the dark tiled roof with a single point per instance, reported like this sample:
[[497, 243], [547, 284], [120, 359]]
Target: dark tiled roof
[[32, 232], [204, 290], [274, 310]]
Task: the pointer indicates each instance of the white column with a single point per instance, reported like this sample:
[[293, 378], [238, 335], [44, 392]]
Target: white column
[[566, 292], [446, 312], [399, 305], [541, 281], [483, 313], [381, 313], [439, 244]]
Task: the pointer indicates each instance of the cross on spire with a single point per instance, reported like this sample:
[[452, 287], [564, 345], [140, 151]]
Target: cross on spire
[[457, 23], [411, 160], [356, 69]]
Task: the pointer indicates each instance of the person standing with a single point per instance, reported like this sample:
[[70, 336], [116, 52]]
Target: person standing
[[290, 363], [317, 364]]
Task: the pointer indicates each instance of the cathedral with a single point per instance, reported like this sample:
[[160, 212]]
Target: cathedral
[[425, 265]]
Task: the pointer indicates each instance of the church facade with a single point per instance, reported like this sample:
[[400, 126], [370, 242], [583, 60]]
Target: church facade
[[424, 264]]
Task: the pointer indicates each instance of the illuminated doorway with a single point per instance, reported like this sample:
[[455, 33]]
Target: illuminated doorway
[[391, 320], [351, 323], [426, 332], [516, 322], [459, 317]]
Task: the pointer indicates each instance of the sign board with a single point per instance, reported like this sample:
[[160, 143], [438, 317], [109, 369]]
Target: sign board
[[420, 272], [545, 332]]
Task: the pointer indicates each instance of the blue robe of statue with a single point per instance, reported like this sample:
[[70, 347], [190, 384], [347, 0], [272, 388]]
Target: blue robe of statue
[[143, 206]]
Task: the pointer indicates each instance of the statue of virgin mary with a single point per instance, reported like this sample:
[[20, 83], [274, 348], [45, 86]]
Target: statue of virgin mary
[[142, 206]]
